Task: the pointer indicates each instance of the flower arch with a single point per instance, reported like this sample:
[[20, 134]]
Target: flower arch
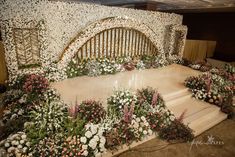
[[104, 24]]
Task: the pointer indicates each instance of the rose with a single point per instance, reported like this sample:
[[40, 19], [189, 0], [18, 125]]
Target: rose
[[83, 139], [88, 134]]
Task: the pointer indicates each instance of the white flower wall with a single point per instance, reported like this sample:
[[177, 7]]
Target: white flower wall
[[63, 21]]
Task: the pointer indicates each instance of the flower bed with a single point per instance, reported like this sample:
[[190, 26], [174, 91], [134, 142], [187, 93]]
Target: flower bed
[[216, 86], [48, 127], [95, 67]]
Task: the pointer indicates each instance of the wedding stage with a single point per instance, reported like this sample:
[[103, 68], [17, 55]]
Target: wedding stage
[[169, 81], [110, 56]]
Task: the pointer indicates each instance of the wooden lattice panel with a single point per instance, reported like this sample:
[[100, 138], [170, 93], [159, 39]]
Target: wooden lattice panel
[[27, 46], [116, 42]]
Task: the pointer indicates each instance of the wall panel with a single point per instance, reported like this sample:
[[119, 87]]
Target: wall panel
[[3, 69], [196, 50]]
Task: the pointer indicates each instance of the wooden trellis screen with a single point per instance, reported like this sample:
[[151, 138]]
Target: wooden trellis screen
[[115, 42], [27, 46]]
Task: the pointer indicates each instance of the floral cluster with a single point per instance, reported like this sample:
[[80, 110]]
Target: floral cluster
[[93, 140], [118, 100], [12, 114], [159, 121], [35, 84], [214, 87], [198, 65], [229, 68], [140, 65], [11, 96], [48, 118], [54, 129], [91, 111], [51, 95], [48, 146], [52, 73], [16, 144], [160, 61], [141, 118], [157, 114], [150, 96], [93, 68], [140, 126], [105, 66], [72, 146], [160, 118], [195, 83], [124, 132], [76, 68]]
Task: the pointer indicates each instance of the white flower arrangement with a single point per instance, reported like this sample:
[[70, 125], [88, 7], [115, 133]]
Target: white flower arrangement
[[195, 66], [160, 61], [93, 141], [119, 99], [12, 114], [49, 116], [140, 65], [93, 68], [140, 127], [16, 144], [51, 94], [107, 66]]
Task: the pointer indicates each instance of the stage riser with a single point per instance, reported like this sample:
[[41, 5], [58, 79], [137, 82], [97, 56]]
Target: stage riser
[[169, 81]]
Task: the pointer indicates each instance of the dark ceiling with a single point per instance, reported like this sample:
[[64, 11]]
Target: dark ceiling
[[178, 6]]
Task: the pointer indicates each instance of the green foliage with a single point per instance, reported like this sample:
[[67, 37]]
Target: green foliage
[[29, 66], [49, 117], [11, 96], [35, 134], [229, 68], [77, 68], [11, 127], [147, 60], [75, 127]]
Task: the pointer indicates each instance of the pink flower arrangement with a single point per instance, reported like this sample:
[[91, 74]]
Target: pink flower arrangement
[[73, 110], [73, 147], [155, 98], [127, 113], [35, 84], [89, 110]]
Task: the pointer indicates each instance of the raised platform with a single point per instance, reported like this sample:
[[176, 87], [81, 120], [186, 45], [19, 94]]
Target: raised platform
[[169, 80]]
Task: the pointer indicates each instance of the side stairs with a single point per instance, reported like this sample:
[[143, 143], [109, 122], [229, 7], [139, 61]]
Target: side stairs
[[199, 115]]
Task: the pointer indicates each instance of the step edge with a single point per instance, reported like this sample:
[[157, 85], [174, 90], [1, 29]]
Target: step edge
[[202, 113], [210, 125]]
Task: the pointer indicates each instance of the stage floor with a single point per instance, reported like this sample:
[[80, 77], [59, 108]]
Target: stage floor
[[167, 80]]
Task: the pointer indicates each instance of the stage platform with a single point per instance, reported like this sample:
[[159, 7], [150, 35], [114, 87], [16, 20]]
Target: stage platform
[[169, 80]]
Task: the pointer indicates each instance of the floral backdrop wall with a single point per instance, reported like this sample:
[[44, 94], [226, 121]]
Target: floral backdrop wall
[[59, 22]]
